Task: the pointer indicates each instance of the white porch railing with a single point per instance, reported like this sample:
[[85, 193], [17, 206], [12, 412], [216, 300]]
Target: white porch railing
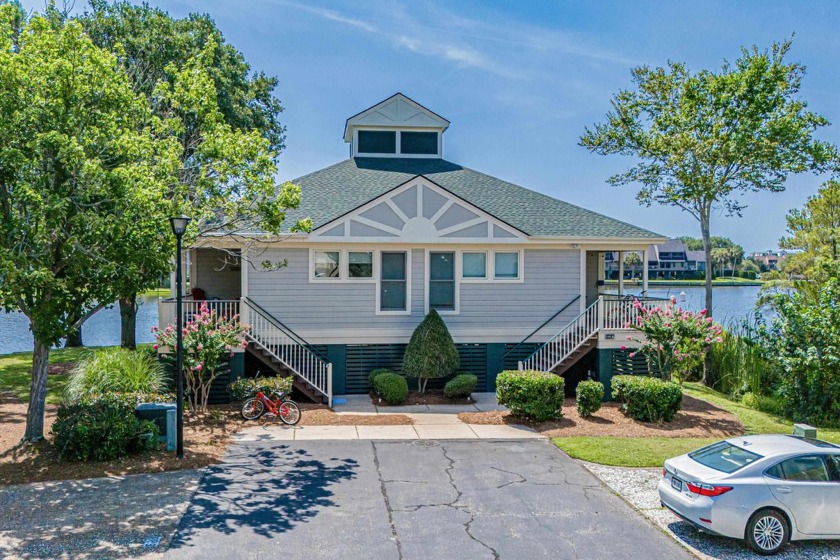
[[564, 343], [609, 313], [190, 308], [281, 343]]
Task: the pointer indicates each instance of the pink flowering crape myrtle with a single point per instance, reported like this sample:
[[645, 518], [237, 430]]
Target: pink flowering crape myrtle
[[209, 340], [676, 340]]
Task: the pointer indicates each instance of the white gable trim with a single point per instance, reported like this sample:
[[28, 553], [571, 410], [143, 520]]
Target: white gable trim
[[444, 224], [396, 111]]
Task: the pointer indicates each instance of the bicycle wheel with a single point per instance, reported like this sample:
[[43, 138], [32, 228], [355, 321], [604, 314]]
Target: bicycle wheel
[[289, 412], [252, 409]]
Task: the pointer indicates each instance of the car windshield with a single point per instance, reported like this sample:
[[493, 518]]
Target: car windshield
[[724, 457]]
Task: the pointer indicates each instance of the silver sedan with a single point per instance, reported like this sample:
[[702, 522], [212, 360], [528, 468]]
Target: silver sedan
[[766, 489]]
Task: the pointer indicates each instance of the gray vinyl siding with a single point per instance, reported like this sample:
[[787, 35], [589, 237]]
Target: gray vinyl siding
[[216, 275], [344, 312]]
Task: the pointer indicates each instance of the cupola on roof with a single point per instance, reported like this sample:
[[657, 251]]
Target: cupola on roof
[[396, 127]]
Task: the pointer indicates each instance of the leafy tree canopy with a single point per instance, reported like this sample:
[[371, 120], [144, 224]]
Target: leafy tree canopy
[[703, 138], [814, 232]]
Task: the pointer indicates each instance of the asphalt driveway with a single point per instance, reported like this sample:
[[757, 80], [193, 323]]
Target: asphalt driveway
[[409, 499]]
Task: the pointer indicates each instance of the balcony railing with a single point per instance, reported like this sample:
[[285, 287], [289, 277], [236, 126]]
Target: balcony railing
[[225, 308]]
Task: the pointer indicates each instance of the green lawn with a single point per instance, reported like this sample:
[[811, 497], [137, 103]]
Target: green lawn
[[157, 292], [16, 373], [652, 452]]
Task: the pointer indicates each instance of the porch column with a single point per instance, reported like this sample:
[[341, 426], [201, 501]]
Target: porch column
[[621, 273], [645, 272]]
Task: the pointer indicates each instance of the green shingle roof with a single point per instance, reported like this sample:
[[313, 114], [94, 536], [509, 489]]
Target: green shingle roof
[[331, 192]]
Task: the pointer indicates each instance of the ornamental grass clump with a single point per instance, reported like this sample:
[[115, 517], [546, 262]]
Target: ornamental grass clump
[[117, 370], [589, 396], [431, 352], [534, 394], [208, 343], [676, 340]]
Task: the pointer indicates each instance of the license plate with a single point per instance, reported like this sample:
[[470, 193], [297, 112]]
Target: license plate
[[676, 484]]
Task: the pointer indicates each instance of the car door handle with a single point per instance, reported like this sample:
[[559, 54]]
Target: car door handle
[[783, 489]]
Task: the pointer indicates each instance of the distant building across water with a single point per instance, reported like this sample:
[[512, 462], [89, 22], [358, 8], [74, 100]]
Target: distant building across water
[[670, 260]]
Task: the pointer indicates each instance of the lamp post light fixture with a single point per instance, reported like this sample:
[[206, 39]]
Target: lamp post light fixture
[[179, 227]]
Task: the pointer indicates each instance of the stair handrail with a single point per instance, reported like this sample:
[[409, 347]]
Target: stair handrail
[[588, 318], [289, 332], [535, 331]]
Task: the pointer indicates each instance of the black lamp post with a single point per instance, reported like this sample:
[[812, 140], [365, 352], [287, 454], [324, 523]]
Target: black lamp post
[[179, 226]]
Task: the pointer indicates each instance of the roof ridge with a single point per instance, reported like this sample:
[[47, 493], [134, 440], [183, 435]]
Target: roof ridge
[[296, 179]]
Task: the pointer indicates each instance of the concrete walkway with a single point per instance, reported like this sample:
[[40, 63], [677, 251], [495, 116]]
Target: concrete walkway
[[430, 422]]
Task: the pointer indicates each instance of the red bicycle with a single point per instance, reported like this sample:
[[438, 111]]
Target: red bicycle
[[282, 407]]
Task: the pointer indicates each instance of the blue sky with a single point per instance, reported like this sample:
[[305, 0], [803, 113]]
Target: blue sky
[[519, 81]]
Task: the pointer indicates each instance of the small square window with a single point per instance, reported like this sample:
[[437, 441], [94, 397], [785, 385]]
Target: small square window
[[475, 265], [360, 264], [507, 266], [327, 264], [420, 143]]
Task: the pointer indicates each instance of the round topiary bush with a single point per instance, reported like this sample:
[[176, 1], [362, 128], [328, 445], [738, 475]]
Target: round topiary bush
[[647, 399], [535, 394], [102, 428], [392, 388], [376, 373], [589, 397], [460, 386]]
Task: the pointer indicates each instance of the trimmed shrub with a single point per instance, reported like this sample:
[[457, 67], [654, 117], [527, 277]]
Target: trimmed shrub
[[431, 353], [647, 399], [534, 394], [589, 397], [376, 373], [242, 389], [116, 370], [460, 386], [391, 387], [102, 428]]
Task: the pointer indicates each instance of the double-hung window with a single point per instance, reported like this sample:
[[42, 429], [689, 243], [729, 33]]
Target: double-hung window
[[442, 281], [393, 282]]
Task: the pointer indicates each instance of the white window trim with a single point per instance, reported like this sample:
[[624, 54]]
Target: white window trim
[[456, 278], [490, 271], [344, 266], [398, 153], [521, 268], [361, 280], [488, 259], [378, 278]]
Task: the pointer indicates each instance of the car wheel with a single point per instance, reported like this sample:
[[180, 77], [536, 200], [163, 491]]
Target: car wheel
[[767, 532]]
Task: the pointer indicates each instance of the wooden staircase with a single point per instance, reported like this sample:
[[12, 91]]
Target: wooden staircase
[[568, 346], [286, 353], [282, 370]]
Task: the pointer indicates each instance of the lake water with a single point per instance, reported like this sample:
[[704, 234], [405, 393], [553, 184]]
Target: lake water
[[103, 329]]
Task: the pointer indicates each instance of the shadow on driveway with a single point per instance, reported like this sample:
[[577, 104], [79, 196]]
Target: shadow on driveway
[[261, 490]]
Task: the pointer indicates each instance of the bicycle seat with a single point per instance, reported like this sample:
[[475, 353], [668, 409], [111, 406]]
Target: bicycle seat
[[279, 394]]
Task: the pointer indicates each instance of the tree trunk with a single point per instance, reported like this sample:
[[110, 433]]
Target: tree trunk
[[74, 339], [705, 228], [128, 321], [37, 392]]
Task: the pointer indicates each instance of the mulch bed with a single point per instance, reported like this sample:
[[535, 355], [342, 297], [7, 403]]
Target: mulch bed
[[206, 438], [431, 396], [697, 419]]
